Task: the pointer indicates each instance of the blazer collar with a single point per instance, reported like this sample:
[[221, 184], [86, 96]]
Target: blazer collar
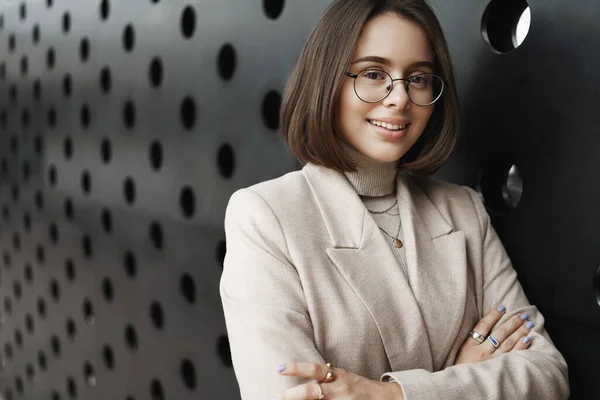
[[343, 210], [408, 311]]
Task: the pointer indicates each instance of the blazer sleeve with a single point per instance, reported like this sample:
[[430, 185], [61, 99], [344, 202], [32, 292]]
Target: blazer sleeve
[[539, 372], [265, 309]]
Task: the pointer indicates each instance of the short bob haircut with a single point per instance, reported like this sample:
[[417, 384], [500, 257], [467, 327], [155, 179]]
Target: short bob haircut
[[309, 104]]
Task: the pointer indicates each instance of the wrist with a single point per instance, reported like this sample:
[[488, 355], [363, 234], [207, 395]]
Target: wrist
[[394, 391]]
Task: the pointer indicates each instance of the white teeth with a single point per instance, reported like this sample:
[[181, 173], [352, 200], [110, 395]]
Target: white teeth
[[388, 126]]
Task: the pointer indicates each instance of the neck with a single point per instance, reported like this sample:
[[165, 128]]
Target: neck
[[372, 177]]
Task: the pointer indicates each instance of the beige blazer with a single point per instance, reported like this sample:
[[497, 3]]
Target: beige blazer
[[309, 277]]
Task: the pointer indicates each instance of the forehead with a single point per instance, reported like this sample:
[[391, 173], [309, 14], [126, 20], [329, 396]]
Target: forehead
[[396, 38]]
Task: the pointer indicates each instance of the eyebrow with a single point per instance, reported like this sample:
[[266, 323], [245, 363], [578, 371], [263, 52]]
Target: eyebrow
[[385, 61]]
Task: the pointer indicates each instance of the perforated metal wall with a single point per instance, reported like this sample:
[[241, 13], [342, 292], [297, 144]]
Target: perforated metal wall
[[126, 125]]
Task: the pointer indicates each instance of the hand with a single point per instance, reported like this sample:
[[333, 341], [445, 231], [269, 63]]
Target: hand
[[510, 334], [344, 385]]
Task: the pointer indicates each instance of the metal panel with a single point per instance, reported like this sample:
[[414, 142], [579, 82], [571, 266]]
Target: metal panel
[[122, 139], [126, 125]]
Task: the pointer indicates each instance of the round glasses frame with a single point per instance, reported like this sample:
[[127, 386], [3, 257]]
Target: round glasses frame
[[354, 76]]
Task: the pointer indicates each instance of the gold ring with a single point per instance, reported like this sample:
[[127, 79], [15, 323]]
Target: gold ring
[[321, 397], [329, 376], [477, 336]]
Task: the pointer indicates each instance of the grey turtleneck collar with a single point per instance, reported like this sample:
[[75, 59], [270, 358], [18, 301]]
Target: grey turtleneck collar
[[372, 178]]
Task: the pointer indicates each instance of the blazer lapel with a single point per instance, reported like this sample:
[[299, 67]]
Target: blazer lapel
[[368, 265], [408, 314], [437, 265]]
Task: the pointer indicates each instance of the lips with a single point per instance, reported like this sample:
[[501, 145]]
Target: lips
[[393, 121], [394, 127]]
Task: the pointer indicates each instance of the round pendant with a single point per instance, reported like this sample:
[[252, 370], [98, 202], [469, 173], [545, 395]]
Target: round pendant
[[397, 243]]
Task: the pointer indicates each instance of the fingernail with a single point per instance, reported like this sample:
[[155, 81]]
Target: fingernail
[[529, 325], [526, 340], [501, 308], [524, 316], [280, 368]]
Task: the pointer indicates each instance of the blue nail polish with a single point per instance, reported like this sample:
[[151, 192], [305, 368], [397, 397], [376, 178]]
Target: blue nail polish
[[524, 316], [501, 308], [529, 325], [281, 368], [526, 340]]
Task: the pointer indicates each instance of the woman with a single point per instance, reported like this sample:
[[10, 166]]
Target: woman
[[360, 259]]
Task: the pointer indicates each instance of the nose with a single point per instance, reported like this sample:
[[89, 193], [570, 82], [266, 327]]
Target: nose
[[398, 97]]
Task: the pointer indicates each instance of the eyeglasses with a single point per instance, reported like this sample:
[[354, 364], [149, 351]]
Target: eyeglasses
[[374, 85]]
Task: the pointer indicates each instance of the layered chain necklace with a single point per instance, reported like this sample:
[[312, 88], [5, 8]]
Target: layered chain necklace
[[395, 239]]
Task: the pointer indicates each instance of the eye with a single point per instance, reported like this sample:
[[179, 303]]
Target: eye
[[374, 75], [420, 81]]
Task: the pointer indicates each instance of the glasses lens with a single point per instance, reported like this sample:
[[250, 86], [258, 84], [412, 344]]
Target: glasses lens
[[375, 85], [425, 89]]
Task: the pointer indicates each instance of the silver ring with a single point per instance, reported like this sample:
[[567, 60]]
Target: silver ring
[[477, 336], [493, 341], [321, 397]]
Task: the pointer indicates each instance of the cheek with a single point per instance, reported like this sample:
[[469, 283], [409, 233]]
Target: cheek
[[424, 114], [351, 107]]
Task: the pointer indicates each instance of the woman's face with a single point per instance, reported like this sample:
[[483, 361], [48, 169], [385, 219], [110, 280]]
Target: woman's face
[[398, 44]]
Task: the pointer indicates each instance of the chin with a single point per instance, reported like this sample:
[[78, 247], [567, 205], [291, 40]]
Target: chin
[[387, 156]]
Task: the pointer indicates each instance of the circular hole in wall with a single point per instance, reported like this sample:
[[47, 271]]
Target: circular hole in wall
[[23, 11], [221, 251], [227, 62], [129, 38], [156, 72], [105, 80], [156, 390], [187, 201], [188, 288], [270, 109], [226, 160], [188, 374], [104, 10], [109, 357], [66, 22], [157, 316], [505, 24], [88, 312], [130, 264], [188, 22], [224, 351], [273, 8], [500, 184], [131, 337], [71, 388], [89, 375], [156, 155], [42, 361]]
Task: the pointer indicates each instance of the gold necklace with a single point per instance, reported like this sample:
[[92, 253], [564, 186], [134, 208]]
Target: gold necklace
[[384, 211], [395, 240]]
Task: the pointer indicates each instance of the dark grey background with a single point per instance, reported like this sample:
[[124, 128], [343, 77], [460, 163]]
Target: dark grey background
[[126, 125]]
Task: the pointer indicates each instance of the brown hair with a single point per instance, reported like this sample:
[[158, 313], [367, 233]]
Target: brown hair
[[308, 108]]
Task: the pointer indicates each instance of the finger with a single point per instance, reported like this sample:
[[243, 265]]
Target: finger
[[510, 342], [505, 330], [484, 326], [306, 391], [523, 344], [305, 370]]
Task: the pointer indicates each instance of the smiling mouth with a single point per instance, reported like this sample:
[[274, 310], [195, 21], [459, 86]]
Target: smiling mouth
[[389, 127]]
